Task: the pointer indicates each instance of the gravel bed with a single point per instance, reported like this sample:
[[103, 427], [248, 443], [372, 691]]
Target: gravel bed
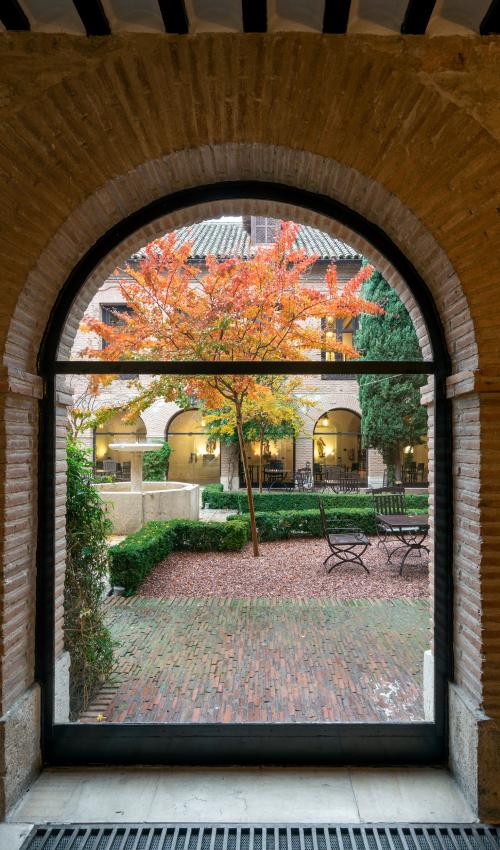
[[289, 568]]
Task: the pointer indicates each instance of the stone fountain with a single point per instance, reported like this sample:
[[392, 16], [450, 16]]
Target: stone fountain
[[136, 452], [131, 504]]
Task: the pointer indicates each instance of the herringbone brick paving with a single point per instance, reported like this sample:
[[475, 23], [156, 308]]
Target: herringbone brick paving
[[264, 659]]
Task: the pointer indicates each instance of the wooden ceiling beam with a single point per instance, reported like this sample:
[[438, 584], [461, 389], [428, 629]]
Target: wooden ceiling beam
[[336, 16], [417, 16], [13, 17], [93, 17], [254, 15], [490, 25], [175, 16]]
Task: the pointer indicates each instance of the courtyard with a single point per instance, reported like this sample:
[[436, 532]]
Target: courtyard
[[224, 637]]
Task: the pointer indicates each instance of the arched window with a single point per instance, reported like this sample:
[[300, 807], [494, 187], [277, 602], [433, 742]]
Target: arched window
[[195, 456], [322, 741], [337, 442], [109, 464], [277, 465]]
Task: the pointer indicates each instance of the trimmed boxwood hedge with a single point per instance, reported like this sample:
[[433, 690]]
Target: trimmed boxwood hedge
[[215, 497], [281, 525], [204, 536], [134, 558]]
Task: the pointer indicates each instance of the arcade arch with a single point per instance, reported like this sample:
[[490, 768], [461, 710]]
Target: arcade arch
[[195, 457], [337, 442]]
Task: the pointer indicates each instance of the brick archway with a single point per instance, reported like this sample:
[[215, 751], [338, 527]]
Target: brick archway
[[298, 204], [272, 206], [269, 207], [442, 220], [244, 162]]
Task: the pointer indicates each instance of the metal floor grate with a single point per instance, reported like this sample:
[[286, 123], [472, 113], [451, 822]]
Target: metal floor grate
[[262, 837]]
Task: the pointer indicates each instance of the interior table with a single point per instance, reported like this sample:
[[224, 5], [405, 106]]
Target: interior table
[[410, 530], [274, 477]]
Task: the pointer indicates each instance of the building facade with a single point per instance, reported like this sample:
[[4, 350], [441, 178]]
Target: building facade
[[331, 432]]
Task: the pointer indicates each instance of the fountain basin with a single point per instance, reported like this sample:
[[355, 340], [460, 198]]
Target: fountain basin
[[130, 509]]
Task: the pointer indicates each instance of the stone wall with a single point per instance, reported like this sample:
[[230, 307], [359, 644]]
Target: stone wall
[[402, 130]]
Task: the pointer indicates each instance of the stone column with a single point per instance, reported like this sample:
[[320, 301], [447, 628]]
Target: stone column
[[303, 451], [229, 466], [474, 694], [136, 472], [427, 399], [19, 694], [61, 657], [376, 467]]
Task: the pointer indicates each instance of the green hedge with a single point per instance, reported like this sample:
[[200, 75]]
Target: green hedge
[[280, 525], [215, 497], [133, 559], [205, 536], [210, 490]]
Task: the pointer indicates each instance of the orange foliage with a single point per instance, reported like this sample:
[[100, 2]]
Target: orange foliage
[[241, 309], [255, 309]]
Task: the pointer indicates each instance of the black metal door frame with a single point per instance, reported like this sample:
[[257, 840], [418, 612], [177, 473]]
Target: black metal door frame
[[245, 743]]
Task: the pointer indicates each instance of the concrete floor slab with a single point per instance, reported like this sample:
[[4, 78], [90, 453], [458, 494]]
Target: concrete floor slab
[[420, 794], [242, 795], [259, 795], [12, 835]]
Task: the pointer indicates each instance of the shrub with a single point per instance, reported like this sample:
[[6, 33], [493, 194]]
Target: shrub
[[206, 536], [281, 525], [134, 558], [155, 464], [86, 638], [215, 497], [208, 491]]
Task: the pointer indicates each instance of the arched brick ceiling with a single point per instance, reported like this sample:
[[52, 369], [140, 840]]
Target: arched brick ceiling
[[415, 116], [380, 17]]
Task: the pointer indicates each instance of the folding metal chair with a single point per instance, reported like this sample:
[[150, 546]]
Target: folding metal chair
[[347, 545]]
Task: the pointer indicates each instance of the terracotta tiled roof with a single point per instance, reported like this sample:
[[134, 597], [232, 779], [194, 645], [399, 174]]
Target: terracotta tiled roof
[[229, 239]]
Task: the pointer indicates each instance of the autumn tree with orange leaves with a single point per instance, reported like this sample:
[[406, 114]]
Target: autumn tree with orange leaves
[[255, 309]]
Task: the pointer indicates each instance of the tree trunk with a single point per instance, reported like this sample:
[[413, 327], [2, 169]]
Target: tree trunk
[[260, 461], [253, 526], [398, 469], [392, 460]]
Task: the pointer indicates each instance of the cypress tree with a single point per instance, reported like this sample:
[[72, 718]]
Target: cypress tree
[[392, 414]]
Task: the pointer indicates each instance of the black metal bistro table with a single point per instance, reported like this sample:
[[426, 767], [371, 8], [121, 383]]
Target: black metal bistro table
[[409, 530]]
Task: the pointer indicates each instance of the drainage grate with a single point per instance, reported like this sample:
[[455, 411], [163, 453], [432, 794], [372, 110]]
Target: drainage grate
[[258, 837]]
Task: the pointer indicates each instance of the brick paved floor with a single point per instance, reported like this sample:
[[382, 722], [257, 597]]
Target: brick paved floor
[[263, 659]]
